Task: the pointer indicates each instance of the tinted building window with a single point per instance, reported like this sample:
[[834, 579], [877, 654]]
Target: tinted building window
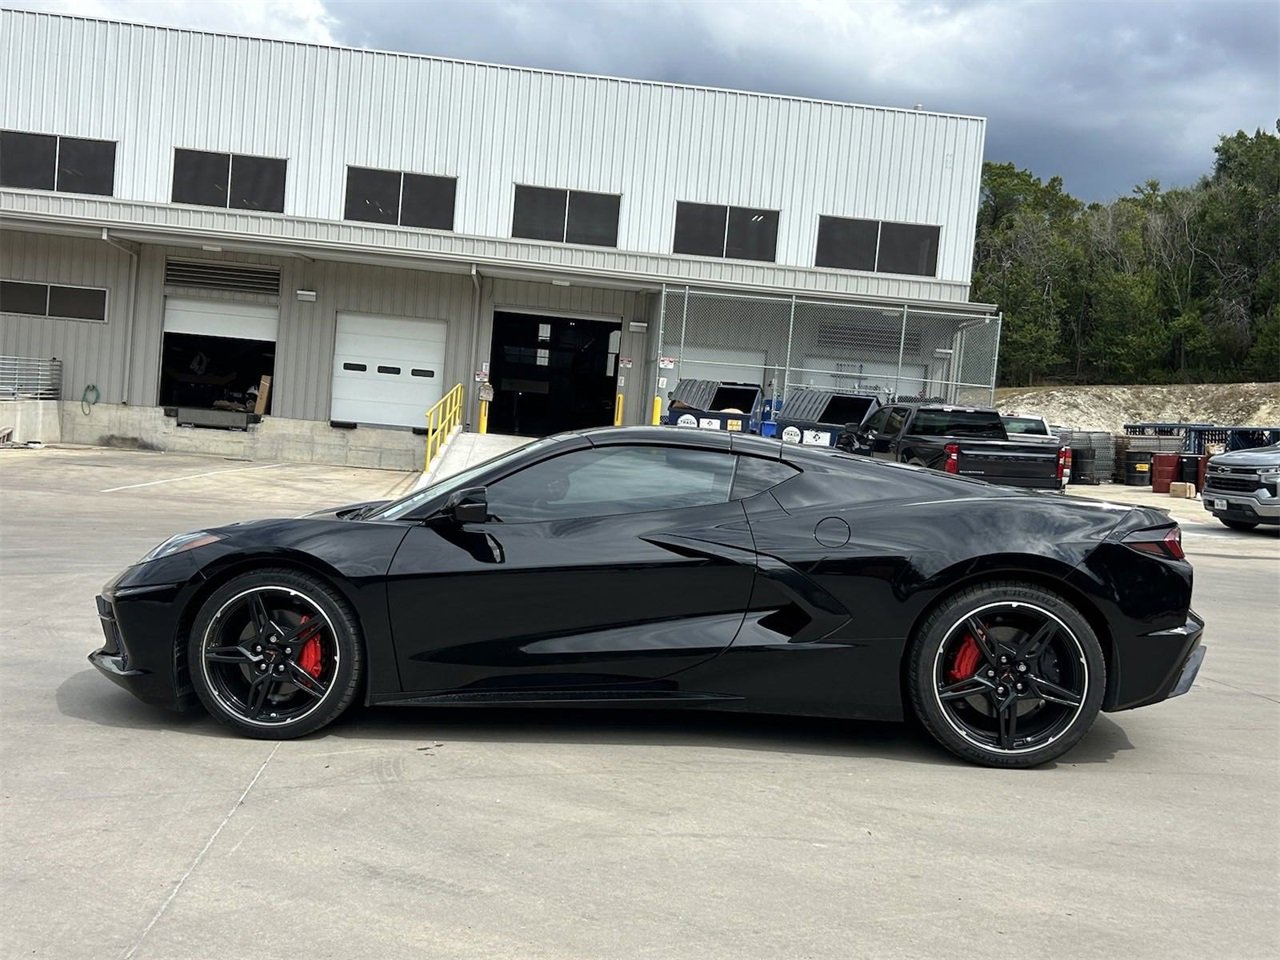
[[40, 161], [228, 180], [86, 166], [539, 214], [393, 197], [50, 300], [373, 195], [752, 235], [257, 183], [566, 216], [593, 218], [428, 201], [847, 244], [700, 229], [28, 298], [78, 303], [28, 160], [908, 248], [201, 178], [739, 233]]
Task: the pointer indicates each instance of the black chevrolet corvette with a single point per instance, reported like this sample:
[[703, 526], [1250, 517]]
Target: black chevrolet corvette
[[661, 567]]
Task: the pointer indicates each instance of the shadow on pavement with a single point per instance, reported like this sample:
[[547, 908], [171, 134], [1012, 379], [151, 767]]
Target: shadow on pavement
[[86, 696]]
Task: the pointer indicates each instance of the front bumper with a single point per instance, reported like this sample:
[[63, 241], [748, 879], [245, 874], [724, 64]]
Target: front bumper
[[1241, 506], [150, 674]]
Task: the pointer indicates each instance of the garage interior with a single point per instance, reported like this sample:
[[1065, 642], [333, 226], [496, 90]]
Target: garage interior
[[552, 373]]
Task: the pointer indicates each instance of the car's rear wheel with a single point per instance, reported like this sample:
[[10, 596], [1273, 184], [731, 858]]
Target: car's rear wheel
[[275, 654], [1239, 524], [1007, 675]]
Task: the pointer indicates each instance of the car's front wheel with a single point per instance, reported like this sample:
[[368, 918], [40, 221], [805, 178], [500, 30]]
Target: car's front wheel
[[275, 654], [1007, 675]]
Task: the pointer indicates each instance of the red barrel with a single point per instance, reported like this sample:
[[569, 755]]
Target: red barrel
[[1165, 468]]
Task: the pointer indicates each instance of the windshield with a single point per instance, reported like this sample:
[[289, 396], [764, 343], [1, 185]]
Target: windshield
[[458, 481], [1024, 425]]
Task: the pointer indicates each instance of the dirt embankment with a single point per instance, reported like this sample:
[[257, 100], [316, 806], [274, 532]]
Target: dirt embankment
[[1110, 408]]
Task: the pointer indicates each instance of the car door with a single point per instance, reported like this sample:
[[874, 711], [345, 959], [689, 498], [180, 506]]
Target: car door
[[865, 434], [883, 445], [602, 566]]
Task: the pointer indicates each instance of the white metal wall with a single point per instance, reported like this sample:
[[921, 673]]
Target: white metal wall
[[91, 353], [153, 89]]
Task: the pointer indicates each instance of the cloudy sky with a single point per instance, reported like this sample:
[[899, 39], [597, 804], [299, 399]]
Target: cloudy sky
[[1107, 93]]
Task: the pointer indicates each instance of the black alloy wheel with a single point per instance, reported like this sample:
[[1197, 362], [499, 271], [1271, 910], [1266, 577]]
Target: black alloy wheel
[[275, 654], [1007, 675]]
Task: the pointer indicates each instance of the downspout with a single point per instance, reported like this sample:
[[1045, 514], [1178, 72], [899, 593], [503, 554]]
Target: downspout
[[131, 303], [475, 336]]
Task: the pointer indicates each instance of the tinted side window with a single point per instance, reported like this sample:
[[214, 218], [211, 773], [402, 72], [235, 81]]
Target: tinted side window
[[877, 419], [897, 416], [610, 481], [756, 475]]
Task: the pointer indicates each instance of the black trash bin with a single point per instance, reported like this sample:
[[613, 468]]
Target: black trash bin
[[716, 405], [1137, 468], [816, 417]]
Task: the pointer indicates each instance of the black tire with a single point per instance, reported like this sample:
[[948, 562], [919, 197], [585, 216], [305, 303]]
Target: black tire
[[1050, 681], [275, 654], [1238, 524]]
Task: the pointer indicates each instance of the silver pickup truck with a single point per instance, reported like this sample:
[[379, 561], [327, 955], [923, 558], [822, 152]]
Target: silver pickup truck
[[1240, 487]]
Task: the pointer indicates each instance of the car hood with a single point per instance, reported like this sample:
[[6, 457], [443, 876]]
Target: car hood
[[348, 511], [1257, 457]]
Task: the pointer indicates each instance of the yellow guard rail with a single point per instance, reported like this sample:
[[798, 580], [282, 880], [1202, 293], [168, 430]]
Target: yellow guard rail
[[441, 419]]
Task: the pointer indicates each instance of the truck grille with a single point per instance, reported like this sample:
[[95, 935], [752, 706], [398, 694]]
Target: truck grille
[[1215, 481]]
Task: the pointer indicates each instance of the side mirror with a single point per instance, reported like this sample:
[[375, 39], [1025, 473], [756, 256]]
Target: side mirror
[[468, 506]]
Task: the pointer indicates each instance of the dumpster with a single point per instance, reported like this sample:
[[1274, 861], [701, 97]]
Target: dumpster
[[816, 417], [716, 405]]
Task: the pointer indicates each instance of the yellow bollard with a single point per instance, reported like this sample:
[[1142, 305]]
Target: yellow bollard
[[617, 411], [657, 411], [484, 417]]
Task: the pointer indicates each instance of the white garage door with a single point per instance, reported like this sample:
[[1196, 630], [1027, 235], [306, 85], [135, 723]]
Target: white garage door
[[714, 363], [387, 370], [221, 318]]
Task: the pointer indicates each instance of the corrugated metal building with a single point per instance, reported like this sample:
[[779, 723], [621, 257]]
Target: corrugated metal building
[[185, 211]]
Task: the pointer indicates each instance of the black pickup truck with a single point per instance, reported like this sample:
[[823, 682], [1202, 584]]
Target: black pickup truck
[[969, 441]]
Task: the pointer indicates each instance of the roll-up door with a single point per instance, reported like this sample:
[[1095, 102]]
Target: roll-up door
[[387, 370], [221, 318]]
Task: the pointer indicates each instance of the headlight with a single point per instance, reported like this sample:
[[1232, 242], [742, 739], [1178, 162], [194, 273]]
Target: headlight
[[181, 544]]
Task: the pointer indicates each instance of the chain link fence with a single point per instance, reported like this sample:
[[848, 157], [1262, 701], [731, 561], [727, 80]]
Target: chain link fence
[[782, 343]]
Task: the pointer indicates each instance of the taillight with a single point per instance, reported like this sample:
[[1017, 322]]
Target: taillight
[[1163, 542], [952, 464], [1064, 463]]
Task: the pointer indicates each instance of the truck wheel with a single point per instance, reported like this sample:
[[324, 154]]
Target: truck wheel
[[1239, 524]]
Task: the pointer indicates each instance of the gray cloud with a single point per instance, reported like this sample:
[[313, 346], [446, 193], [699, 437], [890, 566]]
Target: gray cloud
[[1107, 94]]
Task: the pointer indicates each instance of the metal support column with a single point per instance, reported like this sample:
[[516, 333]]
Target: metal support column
[[902, 346]]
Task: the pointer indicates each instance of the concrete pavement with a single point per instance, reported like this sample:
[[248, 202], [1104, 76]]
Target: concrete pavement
[[129, 832]]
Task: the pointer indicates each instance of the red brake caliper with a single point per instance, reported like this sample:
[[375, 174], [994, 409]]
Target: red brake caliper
[[966, 662], [309, 657]]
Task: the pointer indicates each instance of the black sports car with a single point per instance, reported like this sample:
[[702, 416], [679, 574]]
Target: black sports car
[[675, 568]]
